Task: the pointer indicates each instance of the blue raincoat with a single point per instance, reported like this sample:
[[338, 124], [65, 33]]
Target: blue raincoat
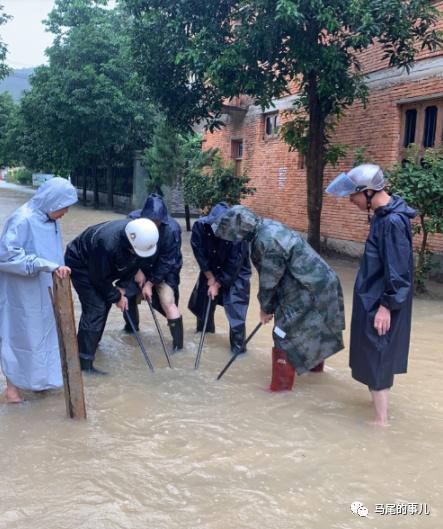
[[30, 249], [385, 278]]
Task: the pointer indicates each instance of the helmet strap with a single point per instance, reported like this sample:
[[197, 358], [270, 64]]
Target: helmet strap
[[368, 203]]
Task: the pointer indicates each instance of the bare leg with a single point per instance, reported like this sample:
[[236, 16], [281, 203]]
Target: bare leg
[[380, 400], [171, 310], [12, 394]]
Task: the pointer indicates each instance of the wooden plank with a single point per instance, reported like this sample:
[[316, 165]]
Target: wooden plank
[[72, 377]]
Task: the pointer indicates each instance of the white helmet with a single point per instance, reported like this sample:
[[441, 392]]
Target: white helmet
[[143, 236], [360, 178]]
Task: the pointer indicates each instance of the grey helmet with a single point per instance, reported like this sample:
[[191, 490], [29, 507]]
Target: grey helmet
[[360, 178]]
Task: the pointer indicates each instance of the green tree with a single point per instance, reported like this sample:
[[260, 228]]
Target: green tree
[[4, 69], [87, 108], [193, 54], [8, 128], [419, 180]]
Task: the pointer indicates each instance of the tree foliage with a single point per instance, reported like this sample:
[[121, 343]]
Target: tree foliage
[[419, 180], [205, 51], [8, 128], [4, 69]]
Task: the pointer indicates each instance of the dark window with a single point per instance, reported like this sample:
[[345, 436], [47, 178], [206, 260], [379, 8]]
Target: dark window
[[430, 126], [272, 125], [410, 123]]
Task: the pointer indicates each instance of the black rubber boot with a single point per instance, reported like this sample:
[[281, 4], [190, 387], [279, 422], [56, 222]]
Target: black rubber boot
[[176, 328], [134, 315], [237, 339], [88, 368]]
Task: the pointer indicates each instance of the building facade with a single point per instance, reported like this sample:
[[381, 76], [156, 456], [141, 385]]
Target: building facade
[[402, 108]]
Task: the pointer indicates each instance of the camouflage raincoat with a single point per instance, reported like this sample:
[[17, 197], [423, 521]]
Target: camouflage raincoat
[[295, 284]]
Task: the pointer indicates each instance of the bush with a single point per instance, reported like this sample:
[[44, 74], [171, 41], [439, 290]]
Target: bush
[[419, 180], [23, 176]]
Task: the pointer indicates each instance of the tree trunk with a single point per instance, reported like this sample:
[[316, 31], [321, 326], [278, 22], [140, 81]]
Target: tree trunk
[[187, 218], [94, 175], [110, 185], [85, 186], [424, 242], [315, 163]]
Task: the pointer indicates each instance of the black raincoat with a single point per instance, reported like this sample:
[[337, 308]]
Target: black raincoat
[[98, 258], [230, 264], [165, 265], [385, 278]]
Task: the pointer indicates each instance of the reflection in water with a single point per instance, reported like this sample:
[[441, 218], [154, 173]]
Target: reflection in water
[[178, 450]]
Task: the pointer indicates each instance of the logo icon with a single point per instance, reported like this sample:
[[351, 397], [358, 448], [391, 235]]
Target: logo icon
[[358, 508]]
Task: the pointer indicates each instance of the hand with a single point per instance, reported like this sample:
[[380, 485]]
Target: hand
[[265, 318], [147, 290], [213, 290], [63, 271], [122, 304], [140, 279], [211, 278], [382, 320]]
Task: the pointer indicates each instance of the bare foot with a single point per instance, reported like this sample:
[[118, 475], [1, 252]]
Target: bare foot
[[12, 396], [379, 422]]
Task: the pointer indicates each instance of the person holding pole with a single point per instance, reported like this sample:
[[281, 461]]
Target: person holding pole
[[31, 249], [160, 274], [104, 259], [382, 305], [224, 279], [296, 286]]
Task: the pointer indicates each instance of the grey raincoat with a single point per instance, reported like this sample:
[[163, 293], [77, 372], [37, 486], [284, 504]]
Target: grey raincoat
[[30, 249]]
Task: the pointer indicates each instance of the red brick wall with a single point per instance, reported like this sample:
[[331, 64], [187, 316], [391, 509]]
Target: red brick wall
[[376, 127]]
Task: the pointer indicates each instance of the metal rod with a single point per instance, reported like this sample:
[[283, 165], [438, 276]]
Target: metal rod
[[231, 361], [202, 337], [160, 333], [140, 343]]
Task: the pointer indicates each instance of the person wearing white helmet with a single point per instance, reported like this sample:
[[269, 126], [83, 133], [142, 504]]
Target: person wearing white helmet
[[104, 259], [382, 305]]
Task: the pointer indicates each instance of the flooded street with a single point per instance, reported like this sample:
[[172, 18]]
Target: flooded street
[[176, 449]]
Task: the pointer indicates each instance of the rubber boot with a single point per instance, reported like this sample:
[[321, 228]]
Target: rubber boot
[[318, 368], [88, 367], [282, 371], [237, 339], [134, 315], [176, 328]]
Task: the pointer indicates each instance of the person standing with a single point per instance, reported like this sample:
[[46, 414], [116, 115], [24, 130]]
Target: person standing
[[160, 274], [382, 304], [31, 249], [224, 279], [104, 259], [297, 287]]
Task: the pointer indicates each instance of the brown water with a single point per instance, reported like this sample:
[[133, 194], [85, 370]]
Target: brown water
[[178, 450]]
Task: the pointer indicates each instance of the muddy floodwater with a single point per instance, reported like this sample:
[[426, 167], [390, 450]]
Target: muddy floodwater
[[176, 449]]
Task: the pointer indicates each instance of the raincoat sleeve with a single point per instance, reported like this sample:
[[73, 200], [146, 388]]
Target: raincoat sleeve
[[14, 259], [198, 247], [396, 251], [167, 260], [101, 276], [231, 268], [271, 266]]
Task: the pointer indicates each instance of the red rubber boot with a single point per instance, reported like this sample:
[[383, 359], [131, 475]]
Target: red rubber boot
[[282, 371]]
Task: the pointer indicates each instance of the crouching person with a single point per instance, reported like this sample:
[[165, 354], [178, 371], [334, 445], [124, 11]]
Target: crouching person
[[297, 287], [30, 249], [102, 255], [160, 274], [225, 273]]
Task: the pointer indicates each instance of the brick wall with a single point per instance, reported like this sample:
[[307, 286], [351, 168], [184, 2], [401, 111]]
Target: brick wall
[[281, 182]]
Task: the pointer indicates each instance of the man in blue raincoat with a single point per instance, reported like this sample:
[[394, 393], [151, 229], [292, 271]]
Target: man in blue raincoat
[[30, 249], [382, 306], [225, 274], [160, 274]]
